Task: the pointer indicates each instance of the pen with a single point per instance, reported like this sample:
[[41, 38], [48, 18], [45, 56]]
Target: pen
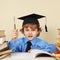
[[14, 23]]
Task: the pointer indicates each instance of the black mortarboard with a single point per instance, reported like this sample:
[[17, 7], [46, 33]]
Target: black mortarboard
[[32, 19]]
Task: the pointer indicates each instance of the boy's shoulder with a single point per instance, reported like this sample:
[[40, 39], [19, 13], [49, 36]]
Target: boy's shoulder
[[23, 38], [39, 39]]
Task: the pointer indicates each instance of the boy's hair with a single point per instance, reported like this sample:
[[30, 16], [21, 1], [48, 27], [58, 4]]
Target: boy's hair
[[32, 26]]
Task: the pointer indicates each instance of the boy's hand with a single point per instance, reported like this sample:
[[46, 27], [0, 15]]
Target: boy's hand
[[57, 56], [15, 34]]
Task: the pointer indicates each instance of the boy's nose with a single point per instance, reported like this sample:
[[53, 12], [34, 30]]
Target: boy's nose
[[30, 32]]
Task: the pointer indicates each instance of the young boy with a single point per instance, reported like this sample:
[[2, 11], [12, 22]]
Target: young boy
[[31, 30]]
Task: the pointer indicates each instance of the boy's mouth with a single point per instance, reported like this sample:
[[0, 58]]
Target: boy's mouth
[[30, 36]]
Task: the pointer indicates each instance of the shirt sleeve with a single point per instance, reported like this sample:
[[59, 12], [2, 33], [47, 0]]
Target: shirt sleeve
[[13, 45], [47, 47], [51, 48]]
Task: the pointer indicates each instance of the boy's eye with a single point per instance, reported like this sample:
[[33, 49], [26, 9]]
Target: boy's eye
[[33, 29], [27, 29]]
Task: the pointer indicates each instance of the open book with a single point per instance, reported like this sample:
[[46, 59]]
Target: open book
[[34, 53]]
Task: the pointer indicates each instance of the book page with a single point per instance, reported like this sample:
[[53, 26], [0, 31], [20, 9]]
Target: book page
[[33, 53], [36, 51], [22, 55]]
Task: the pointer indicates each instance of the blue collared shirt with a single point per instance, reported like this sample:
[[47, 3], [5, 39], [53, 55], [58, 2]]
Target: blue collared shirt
[[20, 45]]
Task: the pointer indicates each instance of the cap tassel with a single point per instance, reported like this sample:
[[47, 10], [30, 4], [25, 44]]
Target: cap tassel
[[46, 25], [46, 28]]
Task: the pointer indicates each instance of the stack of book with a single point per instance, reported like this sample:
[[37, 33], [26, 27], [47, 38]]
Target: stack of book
[[4, 50], [2, 36], [4, 45]]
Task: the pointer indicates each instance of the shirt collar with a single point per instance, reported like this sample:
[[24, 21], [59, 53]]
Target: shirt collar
[[32, 41]]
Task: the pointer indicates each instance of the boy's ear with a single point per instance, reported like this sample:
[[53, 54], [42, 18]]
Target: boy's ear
[[38, 33], [21, 30]]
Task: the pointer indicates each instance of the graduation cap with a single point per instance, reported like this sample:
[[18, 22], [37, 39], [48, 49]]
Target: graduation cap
[[32, 19]]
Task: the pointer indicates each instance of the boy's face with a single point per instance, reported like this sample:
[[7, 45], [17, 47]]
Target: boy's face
[[30, 33]]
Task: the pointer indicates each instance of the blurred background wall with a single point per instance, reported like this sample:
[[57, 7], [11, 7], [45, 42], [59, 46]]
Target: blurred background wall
[[17, 8]]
